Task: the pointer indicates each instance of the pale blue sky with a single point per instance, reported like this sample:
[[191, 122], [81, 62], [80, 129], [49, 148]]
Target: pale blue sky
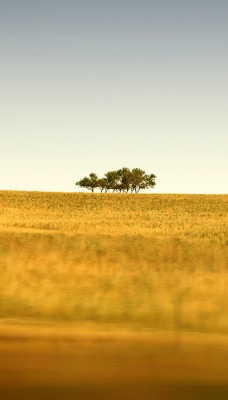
[[96, 85]]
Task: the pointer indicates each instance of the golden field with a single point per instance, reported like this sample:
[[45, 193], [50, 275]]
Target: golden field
[[110, 295]]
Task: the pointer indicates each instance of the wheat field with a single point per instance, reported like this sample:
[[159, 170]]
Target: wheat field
[[117, 288]]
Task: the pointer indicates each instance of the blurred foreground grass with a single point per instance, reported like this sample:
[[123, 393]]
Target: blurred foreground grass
[[109, 291], [136, 282]]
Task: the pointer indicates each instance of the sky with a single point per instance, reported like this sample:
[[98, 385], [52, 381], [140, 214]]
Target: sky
[[97, 85]]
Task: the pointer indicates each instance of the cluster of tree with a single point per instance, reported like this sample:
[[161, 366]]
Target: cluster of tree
[[123, 181]]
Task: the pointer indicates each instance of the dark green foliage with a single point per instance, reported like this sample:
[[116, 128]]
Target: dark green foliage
[[89, 183], [123, 181]]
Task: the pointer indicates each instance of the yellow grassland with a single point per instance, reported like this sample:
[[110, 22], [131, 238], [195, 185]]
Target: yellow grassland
[[160, 216], [122, 266], [151, 261]]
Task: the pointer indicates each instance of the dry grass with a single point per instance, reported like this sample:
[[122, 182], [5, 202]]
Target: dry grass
[[83, 264], [138, 282], [160, 216], [146, 261]]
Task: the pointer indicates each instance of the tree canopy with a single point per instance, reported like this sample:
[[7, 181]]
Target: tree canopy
[[122, 180]]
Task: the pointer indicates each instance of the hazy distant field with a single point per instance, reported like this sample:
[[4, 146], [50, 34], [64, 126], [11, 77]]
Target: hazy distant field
[[109, 290]]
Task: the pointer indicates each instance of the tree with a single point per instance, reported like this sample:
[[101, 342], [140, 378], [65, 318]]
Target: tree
[[112, 180], [90, 183], [150, 181], [138, 180], [123, 180], [102, 184]]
